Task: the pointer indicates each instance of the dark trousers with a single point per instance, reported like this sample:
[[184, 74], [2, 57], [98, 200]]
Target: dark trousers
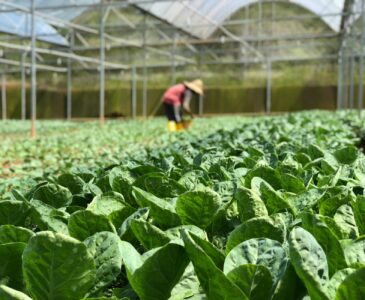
[[173, 112]]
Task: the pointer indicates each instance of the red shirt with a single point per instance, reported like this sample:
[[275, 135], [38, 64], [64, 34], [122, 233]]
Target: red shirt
[[175, 95]]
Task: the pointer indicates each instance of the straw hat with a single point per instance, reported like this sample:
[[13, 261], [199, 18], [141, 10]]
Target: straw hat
[[196, 86]]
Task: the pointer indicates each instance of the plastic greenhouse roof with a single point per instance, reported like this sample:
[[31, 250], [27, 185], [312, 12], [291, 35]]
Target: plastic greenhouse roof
[[18, 23], [198, 17], [201, 18]]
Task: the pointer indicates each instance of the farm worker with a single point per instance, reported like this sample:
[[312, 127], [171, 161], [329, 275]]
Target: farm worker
[[177, 98]]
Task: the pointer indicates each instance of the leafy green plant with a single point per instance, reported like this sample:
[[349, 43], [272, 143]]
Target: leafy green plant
[[267, 208]]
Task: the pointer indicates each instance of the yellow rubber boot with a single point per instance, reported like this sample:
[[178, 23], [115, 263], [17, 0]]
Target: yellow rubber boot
[[179, 126], [171, 126]]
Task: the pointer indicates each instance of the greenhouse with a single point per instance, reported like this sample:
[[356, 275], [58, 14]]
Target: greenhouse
[[170, 150]]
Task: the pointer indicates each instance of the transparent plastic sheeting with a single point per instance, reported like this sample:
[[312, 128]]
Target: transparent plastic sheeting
[[19, 22], [201, 18]]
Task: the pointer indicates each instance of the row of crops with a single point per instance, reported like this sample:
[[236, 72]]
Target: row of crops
[[64, 146], [263, 208]]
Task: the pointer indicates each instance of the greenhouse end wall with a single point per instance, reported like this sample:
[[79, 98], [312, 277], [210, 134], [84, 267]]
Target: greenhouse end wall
[[52, 104]]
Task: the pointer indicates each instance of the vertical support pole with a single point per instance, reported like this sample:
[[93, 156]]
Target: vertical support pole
[[260, 23], [23, 87], [352, 72], [345, 82], [247, 16], [3, 96], [201, 97], [69, 79], [339, 82], [273, 16], [173, 60], [268, 87], [33, 74], [348, 77], [102, 64], [361, 64], [201, 105], [145, 73], [134, 92], [260, 17]]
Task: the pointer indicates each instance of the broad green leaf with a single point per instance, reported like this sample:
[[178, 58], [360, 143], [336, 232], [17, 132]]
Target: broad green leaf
[[54, 195], [353, 287], [124, 231], [80, 201], [327, 240], [263, 227], [131, 258], [345, 219], [145, 169], [149, 235], [332, 225], [102, 181], [13, 212], [260, 251], [225, 189], [73, 182], [359, 213], [162, 211], [302, 158], [48, 218], [191, 180], [266, 173], [72, 209], [336, 280], [214, 283], [253, 280], [92, 189], [107, 203], [310, 262], [328, 205], [104, 248], [106, 298], [291, 183], [337, 177], [188, 285], [125, 293], [17, 195], [289, 285], [249, 204], [83, 224], [14, 234], [122, 184], [198, 207], [113, 206], [175, 233], [315, 151], [154, 274], [305, 200], [273, 201], [355, 253], [7, 293], [118, 217], [159, 185], [65, 270], [347, 155], [11, 265], [214, 254]]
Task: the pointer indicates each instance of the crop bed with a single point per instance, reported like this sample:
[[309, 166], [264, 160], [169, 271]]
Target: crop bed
[[261, 208]]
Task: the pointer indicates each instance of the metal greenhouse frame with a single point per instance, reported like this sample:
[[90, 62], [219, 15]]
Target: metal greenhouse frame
[[35, 29]]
